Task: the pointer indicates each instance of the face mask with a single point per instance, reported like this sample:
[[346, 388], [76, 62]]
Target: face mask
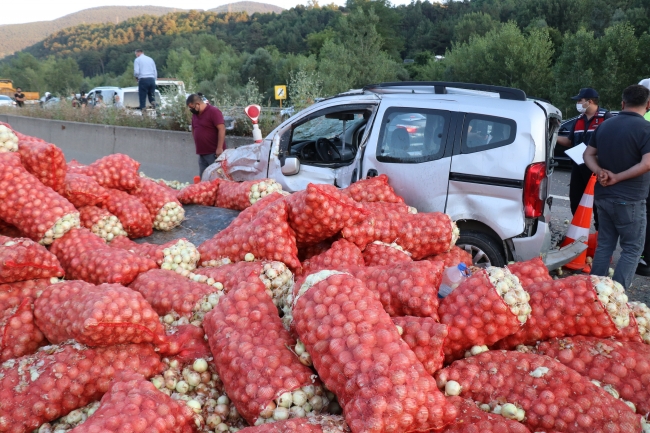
[[580, 108], [194, 111]]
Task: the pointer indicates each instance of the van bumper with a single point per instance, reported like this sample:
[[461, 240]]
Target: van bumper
[[539, 244]]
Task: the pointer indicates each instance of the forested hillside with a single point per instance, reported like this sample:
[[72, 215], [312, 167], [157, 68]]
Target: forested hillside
[[549, 48], [248, 7]]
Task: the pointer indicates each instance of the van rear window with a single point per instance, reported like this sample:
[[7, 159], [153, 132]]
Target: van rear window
[[487, 132]]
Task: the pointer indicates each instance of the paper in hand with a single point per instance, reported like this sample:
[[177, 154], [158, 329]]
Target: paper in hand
[[575, 153]]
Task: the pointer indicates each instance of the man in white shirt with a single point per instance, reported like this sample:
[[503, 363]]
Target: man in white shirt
[[144, 70]]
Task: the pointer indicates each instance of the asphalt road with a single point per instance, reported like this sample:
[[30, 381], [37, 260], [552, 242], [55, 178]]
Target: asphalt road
[[561, 212]]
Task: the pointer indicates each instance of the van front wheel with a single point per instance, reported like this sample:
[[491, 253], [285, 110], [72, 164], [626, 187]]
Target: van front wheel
[[484, 249]]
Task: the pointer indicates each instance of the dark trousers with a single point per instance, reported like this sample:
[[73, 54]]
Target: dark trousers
[[205, 161], [646, 248], [147, 89], [580, 175], [625, 222]]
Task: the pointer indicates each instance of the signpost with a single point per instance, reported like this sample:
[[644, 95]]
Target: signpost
[[253, 112], [280, 93]]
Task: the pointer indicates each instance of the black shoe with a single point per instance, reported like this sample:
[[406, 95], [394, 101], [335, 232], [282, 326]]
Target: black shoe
[[643, 270]]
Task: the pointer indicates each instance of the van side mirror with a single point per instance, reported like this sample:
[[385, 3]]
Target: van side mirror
[[291, 166]]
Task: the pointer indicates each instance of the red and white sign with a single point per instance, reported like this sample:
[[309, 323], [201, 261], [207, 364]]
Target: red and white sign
[[253, 112]]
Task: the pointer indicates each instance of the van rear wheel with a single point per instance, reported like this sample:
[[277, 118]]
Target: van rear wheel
[[484, 249]]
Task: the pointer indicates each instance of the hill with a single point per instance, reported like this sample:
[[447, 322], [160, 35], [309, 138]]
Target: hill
[[248, 7], [15, 37]]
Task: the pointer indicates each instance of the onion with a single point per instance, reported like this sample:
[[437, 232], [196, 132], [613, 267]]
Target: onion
[[612, 295], [642, 315], [174, 184], [8, 140], [452, 388], [262, 189]]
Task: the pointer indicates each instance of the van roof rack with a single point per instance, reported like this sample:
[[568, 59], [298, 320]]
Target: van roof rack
[[440, 88]]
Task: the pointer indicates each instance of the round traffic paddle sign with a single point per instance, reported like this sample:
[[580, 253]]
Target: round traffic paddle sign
[[253, 111]]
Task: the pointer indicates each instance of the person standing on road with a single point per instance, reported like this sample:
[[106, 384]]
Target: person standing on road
[[591, 116], [144, 70], [208, 130], [644, 262], [619, 154], [19, 97]]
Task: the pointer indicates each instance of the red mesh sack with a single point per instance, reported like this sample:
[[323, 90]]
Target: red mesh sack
[[306, 252], [267, 237], [622, 368], [171, 294], [116, 171], [373, 189], [471, 419], [101, 315], [382, 254], [250, 213], [22, 259], [132, 403], [44, 160], [359, 355], [132, 213], [483, 309], [35, 209], [454, 257], [187, 343], [571, 306], [240, 195], [101, 222], [56, 380], [8, 230], [553, 397], [320, 212], [177, 253], [641, 314], [629, 333], [341, 254], [12, 294], [85, 256], [161, 202], [250, 348], [203, 193], [312, 424], [18, 334], [422, 234], [82, 190], [425, 337], [530, 272]]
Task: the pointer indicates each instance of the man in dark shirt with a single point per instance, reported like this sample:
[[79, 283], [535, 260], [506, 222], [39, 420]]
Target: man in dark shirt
[[208, 130], [19, 97], [83, 101], [619, 154]]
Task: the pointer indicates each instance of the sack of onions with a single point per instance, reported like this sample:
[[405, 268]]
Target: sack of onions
[[472, 419], [538, 391], [373, 189], [116, 171], [620, 368], [9, 230], [641, 314], [320, 212], [70, 421], [85, 256], [425, 336], [530, 272], [176, 299], [101, 222], [132, 213], [240, 195], [44, 160], [173, 255], [267, 237], [203, 193], [631, 332], [454, 257], [382, 254], [18, 334], [23, 259], [12, 294], [8, 140], [263, 378], [306, 252], [82, 190], [186, 344], [360, 356], [483, 309], [56, 380], [312, 424], [250, 213], [102, 315], [132, 403], [577, 305], [35, 209], [162, 204], [341, 254]]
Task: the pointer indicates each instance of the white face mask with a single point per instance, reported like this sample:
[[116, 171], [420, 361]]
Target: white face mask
[[580, 108]]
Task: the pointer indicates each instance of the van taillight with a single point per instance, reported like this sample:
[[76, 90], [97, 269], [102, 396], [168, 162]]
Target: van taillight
[[535, 183]]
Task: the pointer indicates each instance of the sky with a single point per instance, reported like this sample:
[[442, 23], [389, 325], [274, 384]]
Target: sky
[[24, 11]]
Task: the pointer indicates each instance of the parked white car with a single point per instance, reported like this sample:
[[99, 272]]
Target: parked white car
[[120, 97], [6, 101]]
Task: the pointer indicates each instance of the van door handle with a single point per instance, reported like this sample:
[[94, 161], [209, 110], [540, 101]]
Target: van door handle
[[372, 173]]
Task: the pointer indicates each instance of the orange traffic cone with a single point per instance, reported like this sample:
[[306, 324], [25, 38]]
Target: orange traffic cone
[[593, 244], [580, 227]]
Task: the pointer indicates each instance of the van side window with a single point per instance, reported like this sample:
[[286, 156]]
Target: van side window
[[487, 132], [412, 135]]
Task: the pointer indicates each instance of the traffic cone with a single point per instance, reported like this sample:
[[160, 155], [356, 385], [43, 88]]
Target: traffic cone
[[593, 244], [580, 227], [197, 179]]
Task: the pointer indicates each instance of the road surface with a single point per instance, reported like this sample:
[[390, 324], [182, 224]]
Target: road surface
[[560, 212]]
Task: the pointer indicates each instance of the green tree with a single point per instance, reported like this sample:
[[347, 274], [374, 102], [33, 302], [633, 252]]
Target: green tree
[[62, 75], [475, 23]]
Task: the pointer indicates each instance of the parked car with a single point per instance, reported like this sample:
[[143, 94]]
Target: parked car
[[563, 161], [6, 101], [482, 154], [121, 97]]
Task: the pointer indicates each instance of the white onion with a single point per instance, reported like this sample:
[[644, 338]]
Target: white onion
[[8, 140], [108, 227], [174, 184], [262, 189], [612, 295], [509, 288], [62, 226], [169, 216], [642, 315], [452, 388]]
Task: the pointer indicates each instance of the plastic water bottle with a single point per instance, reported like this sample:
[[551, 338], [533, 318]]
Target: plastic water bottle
[[451, 278]]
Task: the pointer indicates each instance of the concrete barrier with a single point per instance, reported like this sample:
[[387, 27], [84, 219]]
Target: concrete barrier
[[162, 154]]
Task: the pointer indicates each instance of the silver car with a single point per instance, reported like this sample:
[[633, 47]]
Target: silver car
[[6, 101], [482, 154]]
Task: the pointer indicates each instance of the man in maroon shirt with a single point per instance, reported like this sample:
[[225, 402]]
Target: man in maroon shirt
[[208, 130]]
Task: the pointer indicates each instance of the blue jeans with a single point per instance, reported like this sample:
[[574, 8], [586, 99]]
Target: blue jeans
[[147, 88], [205, 161], [625, 222]]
